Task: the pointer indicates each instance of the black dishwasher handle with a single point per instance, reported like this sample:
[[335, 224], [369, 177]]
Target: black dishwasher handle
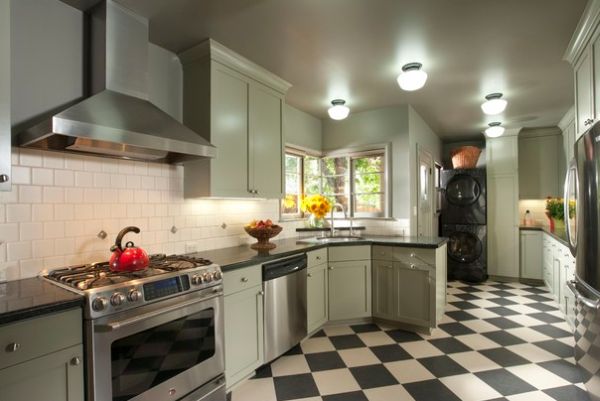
[[284, 267]]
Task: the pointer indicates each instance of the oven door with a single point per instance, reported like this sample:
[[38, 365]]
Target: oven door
[[160, 351]]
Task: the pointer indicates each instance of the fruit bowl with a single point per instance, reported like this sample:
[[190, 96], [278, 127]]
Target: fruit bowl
[[263, 233]]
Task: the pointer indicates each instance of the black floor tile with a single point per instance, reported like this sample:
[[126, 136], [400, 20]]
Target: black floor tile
[[502, 293], [464, 305], [401, 336], [450, 345], [504, 382], [538, 298], [503, 323], [552, 331], [319, 333], [390, 353], [545, 317], [324, 361], [503, 338], [373, 376], [353, 396], [557, 348], [430, 390], [504, 357], [469, 288], [466, 296], [295, 350], [455, 329], [364, 328], [502, 311], [535, 290], [544, 307], [502, 286], [566, 370], [263, 371], [346, 341], [460, 315], [295, 386], [568, 393], [502, 301], [442, 366]]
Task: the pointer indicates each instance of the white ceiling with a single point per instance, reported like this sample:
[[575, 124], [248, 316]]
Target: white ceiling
[[354, 49]]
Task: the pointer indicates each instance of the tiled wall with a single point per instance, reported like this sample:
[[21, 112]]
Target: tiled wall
[[537, 207], [60, 202]]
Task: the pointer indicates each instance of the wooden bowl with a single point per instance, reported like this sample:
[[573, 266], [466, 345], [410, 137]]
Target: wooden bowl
[[263, 235]]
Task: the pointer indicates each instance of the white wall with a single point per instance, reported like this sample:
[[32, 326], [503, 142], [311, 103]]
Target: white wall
[[302, 129]]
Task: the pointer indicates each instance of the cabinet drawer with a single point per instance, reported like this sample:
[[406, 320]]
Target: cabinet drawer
[[381, 252], [417, 256], [241, 279], [342, 253], [316, 257], [32, 338]]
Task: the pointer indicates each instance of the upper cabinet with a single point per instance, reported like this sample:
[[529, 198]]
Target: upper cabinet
[[5, 135], [238, 107], [584, 93]]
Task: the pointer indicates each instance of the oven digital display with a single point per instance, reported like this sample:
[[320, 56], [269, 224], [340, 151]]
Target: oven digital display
[[166, 287]]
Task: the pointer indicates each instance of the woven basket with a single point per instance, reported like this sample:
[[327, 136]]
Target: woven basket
[[465, 156], [263, 235]]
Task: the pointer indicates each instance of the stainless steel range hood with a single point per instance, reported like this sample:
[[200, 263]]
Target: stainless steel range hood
[[117, 120]]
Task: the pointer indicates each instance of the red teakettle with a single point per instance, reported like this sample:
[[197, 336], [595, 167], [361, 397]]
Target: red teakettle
[[130, 258]]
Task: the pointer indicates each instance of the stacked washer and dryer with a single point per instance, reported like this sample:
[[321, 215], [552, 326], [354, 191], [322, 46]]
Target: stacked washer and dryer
[[464, 222]]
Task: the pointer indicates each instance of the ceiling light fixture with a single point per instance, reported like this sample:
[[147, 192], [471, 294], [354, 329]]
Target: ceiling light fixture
[[338, 111], [494, 104], [412, 77], [494, 130]]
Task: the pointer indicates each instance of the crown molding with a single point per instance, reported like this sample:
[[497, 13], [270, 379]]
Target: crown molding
[[586, 27], [567, 119]]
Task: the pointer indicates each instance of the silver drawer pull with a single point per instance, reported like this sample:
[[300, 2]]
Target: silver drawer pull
[[309, 274], [13, 347], [413, 266], [75, 361], [244, 280]]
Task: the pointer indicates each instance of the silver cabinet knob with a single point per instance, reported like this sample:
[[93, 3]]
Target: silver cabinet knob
[[330, 267], [309, 274], [413, 255], [75, 361], [412, 266], [3, 178], [261, 293], [318, 258], [244, 280], [13, 347]]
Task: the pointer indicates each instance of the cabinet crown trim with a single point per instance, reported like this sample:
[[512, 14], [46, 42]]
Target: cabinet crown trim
[[586, 27], [212, 49], [567, 119]]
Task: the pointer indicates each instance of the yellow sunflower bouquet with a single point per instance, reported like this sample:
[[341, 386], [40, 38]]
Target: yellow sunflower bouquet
[[317, 206]]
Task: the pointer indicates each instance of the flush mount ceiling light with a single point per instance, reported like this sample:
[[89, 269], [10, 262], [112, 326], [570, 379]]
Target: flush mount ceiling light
[[412, 77], [494, 130], [494, 104], [338, 110]]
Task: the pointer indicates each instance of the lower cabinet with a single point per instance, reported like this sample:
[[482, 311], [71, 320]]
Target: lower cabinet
[[531, 254], [243, 333], [56, 376], [415, 294], [384, 293], [317, 297], [349, 289]]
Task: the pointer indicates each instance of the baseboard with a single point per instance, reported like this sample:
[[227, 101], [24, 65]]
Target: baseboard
[[503, 279]]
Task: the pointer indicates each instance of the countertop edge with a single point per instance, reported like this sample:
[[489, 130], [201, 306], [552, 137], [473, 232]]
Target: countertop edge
[[545, 230], [22, 314]]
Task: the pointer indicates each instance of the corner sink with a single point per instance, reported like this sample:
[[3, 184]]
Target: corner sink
[[333, 239]]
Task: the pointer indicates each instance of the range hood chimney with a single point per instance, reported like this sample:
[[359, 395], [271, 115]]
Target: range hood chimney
[[116, 119]]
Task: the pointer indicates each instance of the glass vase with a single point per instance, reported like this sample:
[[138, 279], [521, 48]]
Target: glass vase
[[315, 222]]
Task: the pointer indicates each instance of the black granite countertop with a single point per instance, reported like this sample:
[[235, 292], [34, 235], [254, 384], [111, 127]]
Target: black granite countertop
[[22, 299], [242, 256], [560, 236]]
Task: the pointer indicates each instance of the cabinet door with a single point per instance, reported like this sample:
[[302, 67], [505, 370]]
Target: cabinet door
[[229, 133], [538, 168], [502, 154], [56, 376], [531, 255], [556, 267], [503, 230], [5, 135], [383, 289], [243, 334], [349, 290], [265, 141], [413, 294], [584, 107], [316, 297]]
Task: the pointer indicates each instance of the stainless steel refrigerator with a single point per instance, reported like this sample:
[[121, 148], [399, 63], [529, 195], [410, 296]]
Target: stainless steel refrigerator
[[582, 217]]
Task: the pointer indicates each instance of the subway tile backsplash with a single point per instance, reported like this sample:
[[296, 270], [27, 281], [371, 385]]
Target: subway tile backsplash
[[60, 202]]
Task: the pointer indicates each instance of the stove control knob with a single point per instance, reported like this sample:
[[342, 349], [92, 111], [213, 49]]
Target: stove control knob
[[134, 295], [217, 275], [207, 277], [117, 299], [99, 304], [197, 280]]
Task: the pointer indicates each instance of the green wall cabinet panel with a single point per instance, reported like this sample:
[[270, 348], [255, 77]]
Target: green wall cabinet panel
[[243, 334], [317, 297], [383, 289], [541, 166], [349, 290]]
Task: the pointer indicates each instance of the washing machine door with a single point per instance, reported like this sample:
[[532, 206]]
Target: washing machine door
[[464, 247], [463, 190]]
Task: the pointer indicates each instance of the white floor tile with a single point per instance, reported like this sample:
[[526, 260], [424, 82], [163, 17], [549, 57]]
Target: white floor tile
[[420, 349], [256, 389], [531, 352], [335, 381], [358, 357], [338, 330], [479, 326], [469, 387], [525, 320], [474, 362], [317, 344], [388, 393], [477, 341], [374, 338], [537, 376], [522, 309], [290, 365], [527, 334], [408, 371], [531, 396]]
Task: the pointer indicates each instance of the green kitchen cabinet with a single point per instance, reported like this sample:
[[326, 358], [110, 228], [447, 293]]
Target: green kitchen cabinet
[[317, 297], [55, 376], [414, 294], [238, 107], [243, 333], [541, 163], [383, 289], [349, 290]]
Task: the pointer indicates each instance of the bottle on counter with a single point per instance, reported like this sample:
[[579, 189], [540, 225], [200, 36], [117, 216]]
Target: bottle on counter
[[528, 220]]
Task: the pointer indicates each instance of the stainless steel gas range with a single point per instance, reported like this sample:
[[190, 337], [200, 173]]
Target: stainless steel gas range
[[155, 334]]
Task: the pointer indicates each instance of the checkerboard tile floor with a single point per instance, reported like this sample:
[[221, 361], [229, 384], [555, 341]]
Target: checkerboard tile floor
[[497, 341]]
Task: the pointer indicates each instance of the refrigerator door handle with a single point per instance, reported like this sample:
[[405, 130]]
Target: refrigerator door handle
[[584, 300], [566, 204]]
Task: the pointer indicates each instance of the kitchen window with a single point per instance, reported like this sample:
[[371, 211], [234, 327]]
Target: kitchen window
[[356, 180]]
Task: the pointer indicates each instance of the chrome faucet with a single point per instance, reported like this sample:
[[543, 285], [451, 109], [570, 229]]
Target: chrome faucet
[[340, 206]]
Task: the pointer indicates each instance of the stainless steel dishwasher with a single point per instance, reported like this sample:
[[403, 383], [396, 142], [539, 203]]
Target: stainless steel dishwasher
[[284, 284]]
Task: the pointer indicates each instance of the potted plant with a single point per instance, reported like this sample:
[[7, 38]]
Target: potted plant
[[317, 206], [556, 214]]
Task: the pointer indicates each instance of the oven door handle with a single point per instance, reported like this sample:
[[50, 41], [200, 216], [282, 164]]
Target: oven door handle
[[136, 319], [584, 300]]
